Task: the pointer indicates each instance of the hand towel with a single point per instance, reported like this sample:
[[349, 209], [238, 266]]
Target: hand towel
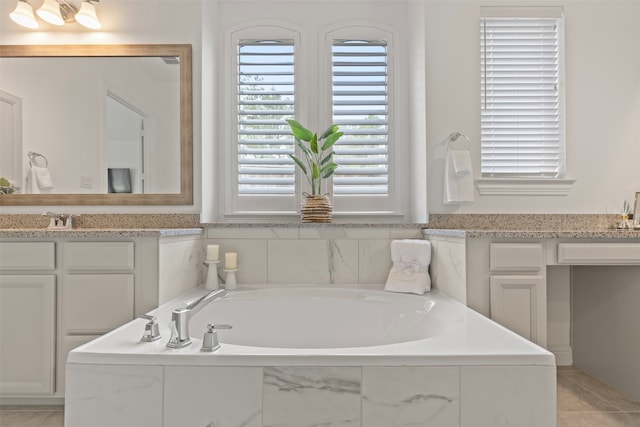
[[410, 270], [458, 187], [32, 186], [461, 162], [43, 177]]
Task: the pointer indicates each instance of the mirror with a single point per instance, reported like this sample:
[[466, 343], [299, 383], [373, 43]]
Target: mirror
[[115, 128]]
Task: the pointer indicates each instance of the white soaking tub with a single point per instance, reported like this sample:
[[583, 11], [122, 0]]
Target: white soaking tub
[[315, 356]]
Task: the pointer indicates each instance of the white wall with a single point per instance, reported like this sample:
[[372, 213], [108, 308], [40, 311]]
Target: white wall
[[602, 88], [68, 127], [602, 42]]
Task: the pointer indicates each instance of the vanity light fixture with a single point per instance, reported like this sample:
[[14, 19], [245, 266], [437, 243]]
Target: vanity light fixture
[[23, 15], [51, 12], [86, 16], [56, 12]]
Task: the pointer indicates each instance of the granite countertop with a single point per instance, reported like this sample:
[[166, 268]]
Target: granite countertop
[[536, 234], [97, 232]]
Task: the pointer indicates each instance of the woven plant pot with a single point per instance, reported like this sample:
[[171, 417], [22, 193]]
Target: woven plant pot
[[316, 208]]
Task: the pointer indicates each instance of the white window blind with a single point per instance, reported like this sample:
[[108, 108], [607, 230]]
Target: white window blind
[[521, 120], [265, 100], [360, 109]]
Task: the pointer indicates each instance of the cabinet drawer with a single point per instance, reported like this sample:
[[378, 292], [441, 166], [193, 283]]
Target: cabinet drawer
[[98, 255], [515, 256], [27, 256], [96, 303], [598, 253]]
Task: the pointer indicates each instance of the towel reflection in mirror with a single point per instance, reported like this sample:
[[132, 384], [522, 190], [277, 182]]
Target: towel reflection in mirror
[[39, 178]]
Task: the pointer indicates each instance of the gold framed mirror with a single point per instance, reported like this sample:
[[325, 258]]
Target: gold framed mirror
[[164, 175]]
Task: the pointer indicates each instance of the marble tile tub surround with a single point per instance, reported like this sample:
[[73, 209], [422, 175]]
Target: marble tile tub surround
[[310, 255], [306, 396]]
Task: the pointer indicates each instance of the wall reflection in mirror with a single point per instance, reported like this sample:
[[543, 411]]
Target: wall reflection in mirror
[[89, 115], [120, 106]]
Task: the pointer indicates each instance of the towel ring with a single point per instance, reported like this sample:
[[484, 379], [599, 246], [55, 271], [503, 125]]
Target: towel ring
[[32, 158], [454, 137]]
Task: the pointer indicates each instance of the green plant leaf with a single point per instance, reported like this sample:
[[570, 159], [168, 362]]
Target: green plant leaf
[[331, 129], [314, 143], [300, 131], [327, 158], [299, 163], [331, 139], [303, 148], [315, 171], [328, 170]]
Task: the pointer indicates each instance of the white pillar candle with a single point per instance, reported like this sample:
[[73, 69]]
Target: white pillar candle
[[213, 252], [231, 260]]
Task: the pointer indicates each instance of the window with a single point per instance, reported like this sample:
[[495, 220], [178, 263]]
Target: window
[[522, 125], [360, 99], [265, 99], [276, 75]]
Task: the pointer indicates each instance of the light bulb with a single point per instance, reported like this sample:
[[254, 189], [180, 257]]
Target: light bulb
[[50, 12], [23, 15], [87, 16]]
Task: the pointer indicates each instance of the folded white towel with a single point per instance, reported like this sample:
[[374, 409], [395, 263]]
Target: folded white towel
[[458, 187], [461, 162], [410, 270], [43, 177], [32, 185]]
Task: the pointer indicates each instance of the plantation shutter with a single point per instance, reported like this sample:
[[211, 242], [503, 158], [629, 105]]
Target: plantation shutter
[[521, 126], [360, 109], [265, 99]]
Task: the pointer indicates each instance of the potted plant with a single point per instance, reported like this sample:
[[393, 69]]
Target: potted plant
[[316, 165]]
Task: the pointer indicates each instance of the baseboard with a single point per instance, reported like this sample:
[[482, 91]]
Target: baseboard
[[563, 353], [31, 400]]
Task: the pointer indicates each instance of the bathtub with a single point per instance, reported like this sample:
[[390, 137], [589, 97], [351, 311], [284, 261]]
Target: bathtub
[[316, 356]]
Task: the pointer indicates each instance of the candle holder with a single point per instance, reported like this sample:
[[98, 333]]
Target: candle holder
[[211, 284], [230, 281]]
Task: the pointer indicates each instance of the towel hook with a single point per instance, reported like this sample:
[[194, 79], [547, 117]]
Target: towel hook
[[32, 158], [454, 137]]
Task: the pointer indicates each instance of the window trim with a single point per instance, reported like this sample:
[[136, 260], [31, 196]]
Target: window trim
[[370, 205], [534, 185], [236, 207], [235, 203]]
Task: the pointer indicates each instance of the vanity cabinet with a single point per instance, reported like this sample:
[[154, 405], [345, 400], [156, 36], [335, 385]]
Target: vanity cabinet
[[59, 293], [27, 317], [98, 286], [525, 281], [27, 333], [518, 288]]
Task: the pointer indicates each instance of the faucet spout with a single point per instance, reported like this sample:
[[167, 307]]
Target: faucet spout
[[57, 220], [180, 318]]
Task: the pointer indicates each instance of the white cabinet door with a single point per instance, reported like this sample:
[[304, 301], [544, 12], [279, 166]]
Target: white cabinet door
[[519, 303], [27, 334], [96, 303]]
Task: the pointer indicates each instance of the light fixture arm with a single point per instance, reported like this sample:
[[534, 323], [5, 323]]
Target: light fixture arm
[[68, 11]]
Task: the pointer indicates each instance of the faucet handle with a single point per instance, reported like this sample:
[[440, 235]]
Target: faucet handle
[[210, 341], [151, 329], [212, 326]]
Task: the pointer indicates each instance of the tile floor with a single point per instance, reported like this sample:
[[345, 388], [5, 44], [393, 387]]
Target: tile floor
[[583, 401]]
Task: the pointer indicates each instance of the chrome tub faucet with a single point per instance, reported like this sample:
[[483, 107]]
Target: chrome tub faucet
[[180, 318]]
